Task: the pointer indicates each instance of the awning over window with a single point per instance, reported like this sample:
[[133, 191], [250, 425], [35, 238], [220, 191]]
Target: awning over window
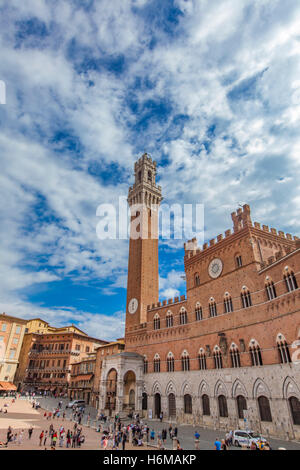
[[83, 377], [7, 386]]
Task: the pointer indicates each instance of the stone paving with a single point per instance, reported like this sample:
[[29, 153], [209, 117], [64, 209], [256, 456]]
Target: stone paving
[[21, 415]]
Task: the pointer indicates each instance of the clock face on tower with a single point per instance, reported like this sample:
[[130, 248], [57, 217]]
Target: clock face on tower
[[132, 306], [215, 268]]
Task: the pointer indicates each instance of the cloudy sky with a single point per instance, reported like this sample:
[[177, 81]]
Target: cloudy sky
[[210, 88]]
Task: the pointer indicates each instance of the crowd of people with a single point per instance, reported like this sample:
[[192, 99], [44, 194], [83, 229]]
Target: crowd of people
[[68, 439], [114, 433], [138, 433]]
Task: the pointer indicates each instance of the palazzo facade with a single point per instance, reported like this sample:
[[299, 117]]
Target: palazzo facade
[[227, 354]]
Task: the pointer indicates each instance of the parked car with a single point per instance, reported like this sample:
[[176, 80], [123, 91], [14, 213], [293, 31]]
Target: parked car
[[79, 403], [242, 437]]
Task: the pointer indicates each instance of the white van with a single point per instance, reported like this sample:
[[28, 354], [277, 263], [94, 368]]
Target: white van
[[79, 403], [245, 438]]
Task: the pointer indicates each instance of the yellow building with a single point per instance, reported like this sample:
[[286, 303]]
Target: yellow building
[[37, 325], [12, 332]]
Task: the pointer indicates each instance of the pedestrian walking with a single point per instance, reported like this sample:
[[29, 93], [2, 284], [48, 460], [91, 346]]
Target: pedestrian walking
[[30, 431], [218, 444], [197, 439], [224, 445], [124, 441]]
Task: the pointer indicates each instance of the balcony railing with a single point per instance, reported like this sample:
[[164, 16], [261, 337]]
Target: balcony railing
[[34, 352]]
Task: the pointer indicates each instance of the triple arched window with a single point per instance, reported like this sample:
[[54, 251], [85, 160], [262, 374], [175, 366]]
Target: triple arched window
[[169, 319], [217, 355], [170, 362], [283, 349], [212, 308], [156, 363], [255, 353], [270, 289], [198, 312], [235, 356], [246, 298], [202, 359], [183, 317], [228, 307], [290, 280], [185, 361], [156, 322]]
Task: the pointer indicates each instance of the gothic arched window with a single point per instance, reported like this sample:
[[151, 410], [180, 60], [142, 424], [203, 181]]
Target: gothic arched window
[[156, 363], [205, 405], [145, 365], [156, 322], [188, 407], [185, 361], [246, 298], [170, 362], [235, 356], [295, 410], [241, 406], [270, 289], [217, 355], [228, 307], [202, 359], [212, 308], [290, 280], [264, 409], [198, 312], [169, 319], [183, 317], [283, 349], [255, 353], [222, 402]]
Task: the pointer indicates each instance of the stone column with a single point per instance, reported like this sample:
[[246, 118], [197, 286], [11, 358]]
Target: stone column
[[102, 394], [120, 395], [138, 395]]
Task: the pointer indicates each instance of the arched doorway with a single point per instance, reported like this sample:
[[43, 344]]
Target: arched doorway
[[157, 403], [111, 391], [129, 391], [172, 405]]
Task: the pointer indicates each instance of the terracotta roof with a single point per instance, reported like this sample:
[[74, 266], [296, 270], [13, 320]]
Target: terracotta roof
[[7, 386]]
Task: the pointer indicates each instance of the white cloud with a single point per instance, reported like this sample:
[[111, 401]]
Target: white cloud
[[231, 70]]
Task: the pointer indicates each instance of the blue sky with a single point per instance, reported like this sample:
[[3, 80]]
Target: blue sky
[[210, 88]]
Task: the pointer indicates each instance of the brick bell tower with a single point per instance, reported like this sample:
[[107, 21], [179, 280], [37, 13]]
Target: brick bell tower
[[144, 198]]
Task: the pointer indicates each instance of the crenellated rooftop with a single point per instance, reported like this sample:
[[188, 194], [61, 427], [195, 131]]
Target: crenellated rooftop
[[241, 219], [166, 303]]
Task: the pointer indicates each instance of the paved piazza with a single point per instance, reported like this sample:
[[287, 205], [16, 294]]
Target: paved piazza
[[21, 415]]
